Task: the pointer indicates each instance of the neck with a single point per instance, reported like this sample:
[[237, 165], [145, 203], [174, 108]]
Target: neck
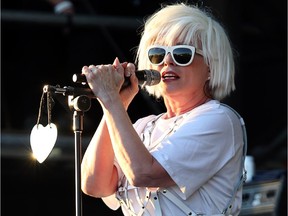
[[179, 110]]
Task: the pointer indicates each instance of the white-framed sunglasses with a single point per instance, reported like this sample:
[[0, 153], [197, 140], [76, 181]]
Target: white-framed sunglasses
[[182, 55]]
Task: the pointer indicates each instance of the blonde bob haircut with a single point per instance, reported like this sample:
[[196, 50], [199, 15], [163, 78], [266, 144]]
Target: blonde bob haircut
[[189, 25]]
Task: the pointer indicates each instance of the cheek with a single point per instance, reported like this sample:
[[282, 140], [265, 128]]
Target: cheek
[[197, 77], [154, 67], [202, 69], [205, 74], [158, 68]]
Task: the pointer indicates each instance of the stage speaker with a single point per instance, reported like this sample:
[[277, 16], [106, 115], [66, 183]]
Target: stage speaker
[[261, 198]]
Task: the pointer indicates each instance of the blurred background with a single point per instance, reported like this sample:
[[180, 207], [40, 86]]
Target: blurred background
[[42, 44]]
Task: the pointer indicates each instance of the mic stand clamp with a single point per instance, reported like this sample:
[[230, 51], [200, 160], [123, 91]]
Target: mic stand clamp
[[79, 105]]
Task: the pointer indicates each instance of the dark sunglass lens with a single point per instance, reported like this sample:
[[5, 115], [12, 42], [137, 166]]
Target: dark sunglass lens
[[182, 55], [156, 55]]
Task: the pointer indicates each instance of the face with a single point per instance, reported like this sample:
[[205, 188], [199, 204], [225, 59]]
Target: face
[[182, 81]]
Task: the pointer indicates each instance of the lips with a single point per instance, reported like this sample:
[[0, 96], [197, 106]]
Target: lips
[[169, 76]]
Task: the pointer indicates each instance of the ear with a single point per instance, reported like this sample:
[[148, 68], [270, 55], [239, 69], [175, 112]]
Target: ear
[[209, 73]]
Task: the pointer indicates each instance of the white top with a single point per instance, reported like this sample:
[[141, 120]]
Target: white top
[[201, 150]]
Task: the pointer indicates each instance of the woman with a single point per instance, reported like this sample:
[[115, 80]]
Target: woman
[[185, 161]]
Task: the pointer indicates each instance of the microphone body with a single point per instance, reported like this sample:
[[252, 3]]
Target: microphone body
[[145, 77]]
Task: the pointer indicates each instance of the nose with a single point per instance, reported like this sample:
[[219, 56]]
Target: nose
[[168, 59]]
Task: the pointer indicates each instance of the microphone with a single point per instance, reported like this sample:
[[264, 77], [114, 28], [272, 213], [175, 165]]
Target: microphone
[[145, 77]]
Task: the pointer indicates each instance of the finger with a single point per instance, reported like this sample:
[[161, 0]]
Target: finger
[[92, 68], [124, 64], [130, 69], [118, 66], [85, 70], [116, 63]]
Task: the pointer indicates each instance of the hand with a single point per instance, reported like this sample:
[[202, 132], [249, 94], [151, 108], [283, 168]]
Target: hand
[[128, 93], [106, 81]]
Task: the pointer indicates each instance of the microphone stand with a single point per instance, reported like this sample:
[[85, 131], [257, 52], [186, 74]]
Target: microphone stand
[[78, 104], [79, 101]]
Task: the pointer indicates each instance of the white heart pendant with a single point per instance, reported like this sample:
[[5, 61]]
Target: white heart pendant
[[42, 140]]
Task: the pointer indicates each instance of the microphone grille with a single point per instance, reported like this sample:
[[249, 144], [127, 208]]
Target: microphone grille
[[153, 77]]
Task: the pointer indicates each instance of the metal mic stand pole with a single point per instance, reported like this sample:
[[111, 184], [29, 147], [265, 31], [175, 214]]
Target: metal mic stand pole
[[80, 105]]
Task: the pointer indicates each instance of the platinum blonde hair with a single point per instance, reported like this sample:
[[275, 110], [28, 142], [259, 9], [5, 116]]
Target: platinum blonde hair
[[191, 26]]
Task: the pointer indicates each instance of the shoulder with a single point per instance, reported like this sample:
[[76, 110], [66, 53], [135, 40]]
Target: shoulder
[[214, 111], [212, 119]]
